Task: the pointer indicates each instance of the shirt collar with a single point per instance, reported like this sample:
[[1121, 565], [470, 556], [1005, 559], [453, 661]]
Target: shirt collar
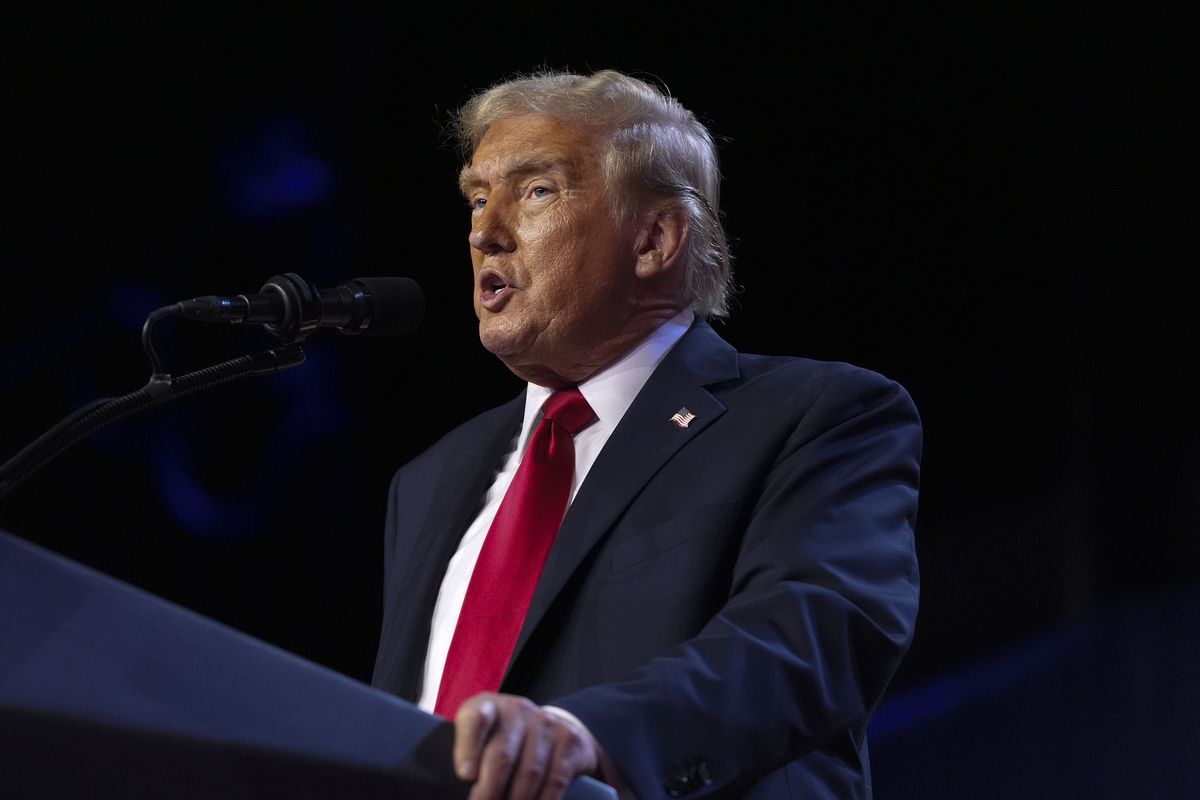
[[611, 391]]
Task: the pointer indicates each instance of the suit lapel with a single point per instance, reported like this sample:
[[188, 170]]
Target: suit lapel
[[456, 494], [460, 488], [642, 443]]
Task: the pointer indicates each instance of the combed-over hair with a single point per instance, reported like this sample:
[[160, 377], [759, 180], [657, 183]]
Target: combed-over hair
[[655, 148]]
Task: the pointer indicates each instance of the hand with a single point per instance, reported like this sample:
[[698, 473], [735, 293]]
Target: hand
[[512, 748]]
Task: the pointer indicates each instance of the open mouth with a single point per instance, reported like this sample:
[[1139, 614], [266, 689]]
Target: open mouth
[[493, 289]]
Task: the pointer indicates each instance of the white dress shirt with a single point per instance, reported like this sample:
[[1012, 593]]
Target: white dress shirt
[[609, 392]]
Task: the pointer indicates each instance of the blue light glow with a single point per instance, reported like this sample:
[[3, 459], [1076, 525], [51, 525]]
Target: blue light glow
[[273, 171]]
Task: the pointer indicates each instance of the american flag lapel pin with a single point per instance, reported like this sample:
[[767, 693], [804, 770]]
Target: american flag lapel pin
[[683, 417]]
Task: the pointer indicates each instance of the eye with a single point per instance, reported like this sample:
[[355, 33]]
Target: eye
[[476, 203], [538, 192]]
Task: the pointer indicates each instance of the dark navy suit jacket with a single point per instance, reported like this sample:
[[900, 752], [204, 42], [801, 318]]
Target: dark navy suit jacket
[[724, 603]]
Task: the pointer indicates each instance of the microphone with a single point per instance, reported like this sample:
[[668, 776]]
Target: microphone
[[291, 308]]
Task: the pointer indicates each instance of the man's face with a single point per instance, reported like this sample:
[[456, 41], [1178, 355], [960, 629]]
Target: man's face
[[554, 270]]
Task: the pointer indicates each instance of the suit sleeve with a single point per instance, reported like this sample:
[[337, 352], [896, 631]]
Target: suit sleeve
[[821, 610]]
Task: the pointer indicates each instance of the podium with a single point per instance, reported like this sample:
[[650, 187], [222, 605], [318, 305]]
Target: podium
[[107, 691]]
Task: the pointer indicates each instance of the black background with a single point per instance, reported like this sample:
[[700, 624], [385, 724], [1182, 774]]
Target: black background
[[990, 207]]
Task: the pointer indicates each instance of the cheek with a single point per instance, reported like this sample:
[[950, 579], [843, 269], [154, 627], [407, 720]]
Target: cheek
[[568, 259], [547, 259], [569, 286]]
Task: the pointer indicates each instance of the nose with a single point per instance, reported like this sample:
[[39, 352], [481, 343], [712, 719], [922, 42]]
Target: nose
[[491, 231]]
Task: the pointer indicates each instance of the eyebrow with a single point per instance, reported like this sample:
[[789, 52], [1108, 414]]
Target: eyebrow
[[517, 167]]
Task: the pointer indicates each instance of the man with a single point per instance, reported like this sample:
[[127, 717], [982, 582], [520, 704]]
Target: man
[[734, 582]]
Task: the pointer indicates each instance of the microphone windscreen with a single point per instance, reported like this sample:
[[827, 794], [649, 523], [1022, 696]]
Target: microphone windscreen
[[397, 305]]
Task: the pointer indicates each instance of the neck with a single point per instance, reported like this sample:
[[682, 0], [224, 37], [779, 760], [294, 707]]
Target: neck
[[593, 357]]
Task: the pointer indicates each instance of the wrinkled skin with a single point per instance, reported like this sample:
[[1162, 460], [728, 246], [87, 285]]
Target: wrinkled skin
[[562, 287]]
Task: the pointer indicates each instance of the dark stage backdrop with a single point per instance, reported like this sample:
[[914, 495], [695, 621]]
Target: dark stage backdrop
[[983, 206]]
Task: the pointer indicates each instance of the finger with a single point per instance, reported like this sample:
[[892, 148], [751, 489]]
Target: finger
[[570, 756], [530, 772], [473, 724], [500, 753]]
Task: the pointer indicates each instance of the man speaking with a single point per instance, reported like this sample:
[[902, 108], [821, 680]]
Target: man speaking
[[680, 569]]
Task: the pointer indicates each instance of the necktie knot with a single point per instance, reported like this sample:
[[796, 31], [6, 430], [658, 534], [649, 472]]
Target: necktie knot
[[569, 410]]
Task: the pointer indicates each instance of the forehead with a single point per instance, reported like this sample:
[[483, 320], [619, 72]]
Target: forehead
[[528, 143]]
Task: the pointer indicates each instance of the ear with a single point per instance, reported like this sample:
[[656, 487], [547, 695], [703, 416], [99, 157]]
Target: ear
[[661, 243]]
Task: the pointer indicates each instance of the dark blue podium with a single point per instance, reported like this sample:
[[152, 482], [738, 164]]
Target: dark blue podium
[[107, 691]]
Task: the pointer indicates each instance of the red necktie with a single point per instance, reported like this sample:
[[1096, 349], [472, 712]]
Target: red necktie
[[513, 554]]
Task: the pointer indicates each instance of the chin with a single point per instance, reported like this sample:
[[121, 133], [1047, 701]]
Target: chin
[[500, 339]]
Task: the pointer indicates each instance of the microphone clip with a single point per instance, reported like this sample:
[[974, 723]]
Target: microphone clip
[[297, 311], [288, 306]]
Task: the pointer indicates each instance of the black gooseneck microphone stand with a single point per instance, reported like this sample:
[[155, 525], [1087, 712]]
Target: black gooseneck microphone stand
[[298, 299]]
